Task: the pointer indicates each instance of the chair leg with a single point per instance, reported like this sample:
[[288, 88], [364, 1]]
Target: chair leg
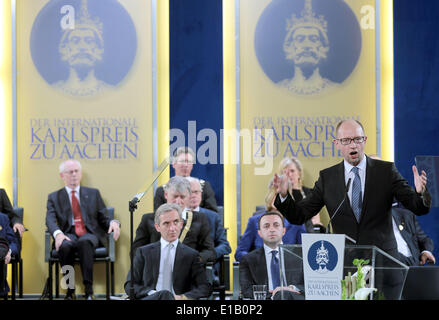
[[107, 279], [14, 279], [50, 285], [112, 277], [57, 279], [20, 278]]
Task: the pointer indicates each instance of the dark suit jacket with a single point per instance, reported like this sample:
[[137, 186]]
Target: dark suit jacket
[[253, 270], [251, 240], [197, 238], [6, 208], [208, 199], [383, 183], [217, 233], [7, 233], [94, 213], [412, 233], [189, 276]]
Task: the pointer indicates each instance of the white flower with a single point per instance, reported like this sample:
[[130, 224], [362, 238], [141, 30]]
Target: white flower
[[363, 293]]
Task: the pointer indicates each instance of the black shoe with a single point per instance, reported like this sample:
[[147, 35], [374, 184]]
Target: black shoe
[[70, 295]]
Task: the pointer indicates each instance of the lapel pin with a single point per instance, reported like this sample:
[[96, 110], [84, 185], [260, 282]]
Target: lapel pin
[[401, 227]]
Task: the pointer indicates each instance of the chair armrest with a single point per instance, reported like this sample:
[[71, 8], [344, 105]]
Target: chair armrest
[[47, 245], [226, 271], [19, 211], [209, 272], [236, 286], [111, 242]]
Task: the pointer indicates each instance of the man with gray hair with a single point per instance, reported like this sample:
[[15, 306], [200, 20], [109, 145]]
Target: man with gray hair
[[183, 162], [168, 269], [77, 219], [195, 232]]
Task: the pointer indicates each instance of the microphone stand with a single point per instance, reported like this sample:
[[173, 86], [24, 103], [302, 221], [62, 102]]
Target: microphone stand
[[132, 206]]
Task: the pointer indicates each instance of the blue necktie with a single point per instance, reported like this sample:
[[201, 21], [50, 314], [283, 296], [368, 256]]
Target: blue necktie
[[274, 266], [357, 202]]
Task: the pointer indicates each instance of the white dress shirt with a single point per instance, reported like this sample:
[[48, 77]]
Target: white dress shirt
[[163, 250]]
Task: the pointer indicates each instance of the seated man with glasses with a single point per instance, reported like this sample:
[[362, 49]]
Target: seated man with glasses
[[183, 162]]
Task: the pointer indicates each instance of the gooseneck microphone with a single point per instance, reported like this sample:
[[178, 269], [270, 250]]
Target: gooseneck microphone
[[339, 206]]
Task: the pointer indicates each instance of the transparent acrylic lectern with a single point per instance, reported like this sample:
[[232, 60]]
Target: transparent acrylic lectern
[[383, 272]]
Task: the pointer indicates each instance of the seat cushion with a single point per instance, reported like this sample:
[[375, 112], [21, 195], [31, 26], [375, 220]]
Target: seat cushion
[[100, 252]]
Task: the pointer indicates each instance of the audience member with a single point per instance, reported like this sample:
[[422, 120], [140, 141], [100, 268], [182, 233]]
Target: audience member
[[251, 240], [414, 246], [261, 266], [217, 231], [293, 169], [168, 269], [183, 162], [196, 230], [76, 217], [6, 208], [14, 247]]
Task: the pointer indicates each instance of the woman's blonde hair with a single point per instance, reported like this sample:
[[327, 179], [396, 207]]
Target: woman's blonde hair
[[285, 162]]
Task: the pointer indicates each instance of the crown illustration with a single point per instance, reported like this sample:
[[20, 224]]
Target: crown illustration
[[322, 251], [308, 19], [85, 20]]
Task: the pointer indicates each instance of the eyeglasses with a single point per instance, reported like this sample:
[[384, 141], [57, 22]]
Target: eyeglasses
[[348, 141]]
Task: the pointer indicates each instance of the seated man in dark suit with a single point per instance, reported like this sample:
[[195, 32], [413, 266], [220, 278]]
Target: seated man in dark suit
[[14, 246], [168, 269], [183, 162], [76, 217], [414, 246], [261, 266], [251, 240], [217, 231], [196, 230], [6, 208]]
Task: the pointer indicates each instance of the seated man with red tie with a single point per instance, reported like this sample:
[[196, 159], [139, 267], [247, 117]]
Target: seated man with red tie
[[76, 217]]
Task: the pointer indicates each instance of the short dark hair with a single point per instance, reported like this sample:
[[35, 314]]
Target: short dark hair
[[271, 213]]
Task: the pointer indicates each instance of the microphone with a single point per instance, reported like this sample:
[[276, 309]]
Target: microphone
[[339, 206]]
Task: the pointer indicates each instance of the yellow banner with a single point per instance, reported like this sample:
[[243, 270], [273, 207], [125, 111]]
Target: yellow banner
[[84, 91], [304, 66]]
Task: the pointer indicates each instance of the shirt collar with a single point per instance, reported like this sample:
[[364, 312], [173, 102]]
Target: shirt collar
[[69, 190], [164, 243], [362, 165], [268, 250]]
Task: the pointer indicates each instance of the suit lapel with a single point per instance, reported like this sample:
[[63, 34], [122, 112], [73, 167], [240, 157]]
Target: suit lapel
[[83, 203], [368, 184], [155, 262], [66, 207], [261, 267]]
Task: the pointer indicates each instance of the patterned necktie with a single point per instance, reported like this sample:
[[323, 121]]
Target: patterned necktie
[[357, 202], [167, 269], [274, 266], [77, 216]]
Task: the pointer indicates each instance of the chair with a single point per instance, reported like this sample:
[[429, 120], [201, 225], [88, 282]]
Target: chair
[[102, 254], [236, 286], [17, 263]]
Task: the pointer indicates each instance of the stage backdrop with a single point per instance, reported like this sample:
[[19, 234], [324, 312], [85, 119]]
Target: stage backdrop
[[304, 66], [84, 89]]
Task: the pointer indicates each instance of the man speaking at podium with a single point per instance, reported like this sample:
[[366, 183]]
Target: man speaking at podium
[[370, 186]]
